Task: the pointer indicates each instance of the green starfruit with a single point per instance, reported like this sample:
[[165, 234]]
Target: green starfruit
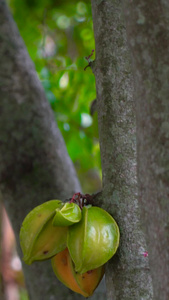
[[84, 284], [67, 215], [94, 240], [39, 239]]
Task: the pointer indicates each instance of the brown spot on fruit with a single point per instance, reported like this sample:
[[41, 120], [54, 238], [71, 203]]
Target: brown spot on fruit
[[64, 261]]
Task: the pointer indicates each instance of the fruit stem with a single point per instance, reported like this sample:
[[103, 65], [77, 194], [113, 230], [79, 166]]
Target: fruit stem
[[81, 199]]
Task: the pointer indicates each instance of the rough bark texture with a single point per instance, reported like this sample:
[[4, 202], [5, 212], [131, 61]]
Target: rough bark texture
[[148, 34], [34, 164], [127, 273]]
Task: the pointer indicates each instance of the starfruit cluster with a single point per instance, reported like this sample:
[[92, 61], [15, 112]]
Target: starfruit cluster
[[79, 240]]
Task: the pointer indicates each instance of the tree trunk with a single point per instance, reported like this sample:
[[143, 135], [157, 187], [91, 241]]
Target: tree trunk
[[34, 164], [148, 34], [127, 273]]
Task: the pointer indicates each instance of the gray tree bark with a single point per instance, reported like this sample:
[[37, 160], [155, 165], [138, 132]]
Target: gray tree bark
[[127, 275], [34, 164], [148, 35]]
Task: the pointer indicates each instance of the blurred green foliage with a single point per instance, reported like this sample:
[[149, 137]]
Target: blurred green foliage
[[23, 294], [59, 35]]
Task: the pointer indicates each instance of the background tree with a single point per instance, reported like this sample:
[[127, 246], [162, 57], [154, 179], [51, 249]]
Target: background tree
[[34, 164], [58, 36]]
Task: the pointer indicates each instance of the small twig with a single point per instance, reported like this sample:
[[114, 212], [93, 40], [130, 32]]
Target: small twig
[[89, 65], [88, 60]]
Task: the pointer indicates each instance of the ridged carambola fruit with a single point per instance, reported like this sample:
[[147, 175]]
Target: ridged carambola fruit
[[94, 240], [84, 284], [39, 239], [67, 215]]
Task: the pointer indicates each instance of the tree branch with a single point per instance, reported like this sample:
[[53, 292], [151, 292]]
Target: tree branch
[[127, 273]]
